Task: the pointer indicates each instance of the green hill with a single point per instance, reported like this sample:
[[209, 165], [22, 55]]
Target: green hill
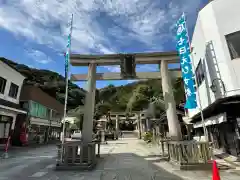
[[134, 96]]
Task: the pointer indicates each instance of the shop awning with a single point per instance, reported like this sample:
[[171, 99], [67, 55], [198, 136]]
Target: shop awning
[[212, 120], [11, 106]]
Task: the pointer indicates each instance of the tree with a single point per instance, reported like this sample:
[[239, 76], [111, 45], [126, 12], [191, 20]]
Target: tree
[[133, 97], [178, 90], [102, 109], [140, 98], [79, 122], [107, 92]]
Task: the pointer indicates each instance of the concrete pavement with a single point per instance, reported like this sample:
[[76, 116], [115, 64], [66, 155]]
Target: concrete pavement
[[124, 159], [225, 173], [119, 160]]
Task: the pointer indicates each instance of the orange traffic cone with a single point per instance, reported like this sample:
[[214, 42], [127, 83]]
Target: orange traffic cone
[[215, 172]]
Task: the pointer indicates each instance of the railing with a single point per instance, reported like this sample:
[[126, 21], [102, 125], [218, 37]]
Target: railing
[[74, 153], [163, 143], [189, 152]]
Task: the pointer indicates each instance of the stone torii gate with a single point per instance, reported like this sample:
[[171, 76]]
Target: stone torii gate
[[160, 58]]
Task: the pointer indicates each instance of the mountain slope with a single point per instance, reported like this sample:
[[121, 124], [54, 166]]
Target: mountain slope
[[134, 96], [50, 82]]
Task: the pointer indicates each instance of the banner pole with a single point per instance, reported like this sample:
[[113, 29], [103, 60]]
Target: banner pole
[[196, 84], [67, 56]]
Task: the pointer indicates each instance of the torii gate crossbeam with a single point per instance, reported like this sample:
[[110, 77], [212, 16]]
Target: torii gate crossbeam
[[174, 73]]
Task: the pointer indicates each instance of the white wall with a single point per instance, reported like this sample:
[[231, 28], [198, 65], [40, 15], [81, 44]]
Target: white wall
[[229, 22], [216, 20], [11, 75]]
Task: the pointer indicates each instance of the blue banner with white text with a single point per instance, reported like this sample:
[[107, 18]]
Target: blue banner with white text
[[67, 54], [183, 48]]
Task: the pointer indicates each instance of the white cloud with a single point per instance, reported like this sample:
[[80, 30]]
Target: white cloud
[[45, 22], [39, 56], [113, 68]]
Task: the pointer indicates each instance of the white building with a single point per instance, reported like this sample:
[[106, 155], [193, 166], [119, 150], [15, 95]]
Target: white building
[[10, 88], [216, 57]]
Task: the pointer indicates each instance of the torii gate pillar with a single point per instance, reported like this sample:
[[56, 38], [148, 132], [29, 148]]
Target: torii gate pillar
[[89, 104], [170, 104]]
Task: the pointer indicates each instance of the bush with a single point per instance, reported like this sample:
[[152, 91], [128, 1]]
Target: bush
[[148, 136]]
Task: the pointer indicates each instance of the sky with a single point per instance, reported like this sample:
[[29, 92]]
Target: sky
[[34, 32]]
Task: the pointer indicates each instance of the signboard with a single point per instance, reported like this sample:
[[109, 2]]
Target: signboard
[[128, 66]]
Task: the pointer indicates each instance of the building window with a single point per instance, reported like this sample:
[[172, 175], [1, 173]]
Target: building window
[[13, 90], [200, 73], [2, 85], [233, 42], [38, 110]]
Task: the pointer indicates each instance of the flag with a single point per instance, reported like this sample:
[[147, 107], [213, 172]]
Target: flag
[[68, 51], [183, 48]]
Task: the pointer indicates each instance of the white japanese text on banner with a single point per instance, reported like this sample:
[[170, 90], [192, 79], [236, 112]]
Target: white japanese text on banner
[[183, 48]]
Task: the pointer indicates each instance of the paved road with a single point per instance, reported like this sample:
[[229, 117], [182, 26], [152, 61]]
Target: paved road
[[125, 159], [122, 159]]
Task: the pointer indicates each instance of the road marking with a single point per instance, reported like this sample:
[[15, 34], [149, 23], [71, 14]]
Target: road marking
[[36, 157], [39, 174], [50, 166], [107, 169]]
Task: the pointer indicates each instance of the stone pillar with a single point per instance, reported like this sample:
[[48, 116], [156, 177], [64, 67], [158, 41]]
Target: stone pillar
[[89, 105], [102, 136], [189, 129], [148, 124], [105, 125], [170, 104], [117, 126], [144, 125], [139, 126], [154, 135]]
